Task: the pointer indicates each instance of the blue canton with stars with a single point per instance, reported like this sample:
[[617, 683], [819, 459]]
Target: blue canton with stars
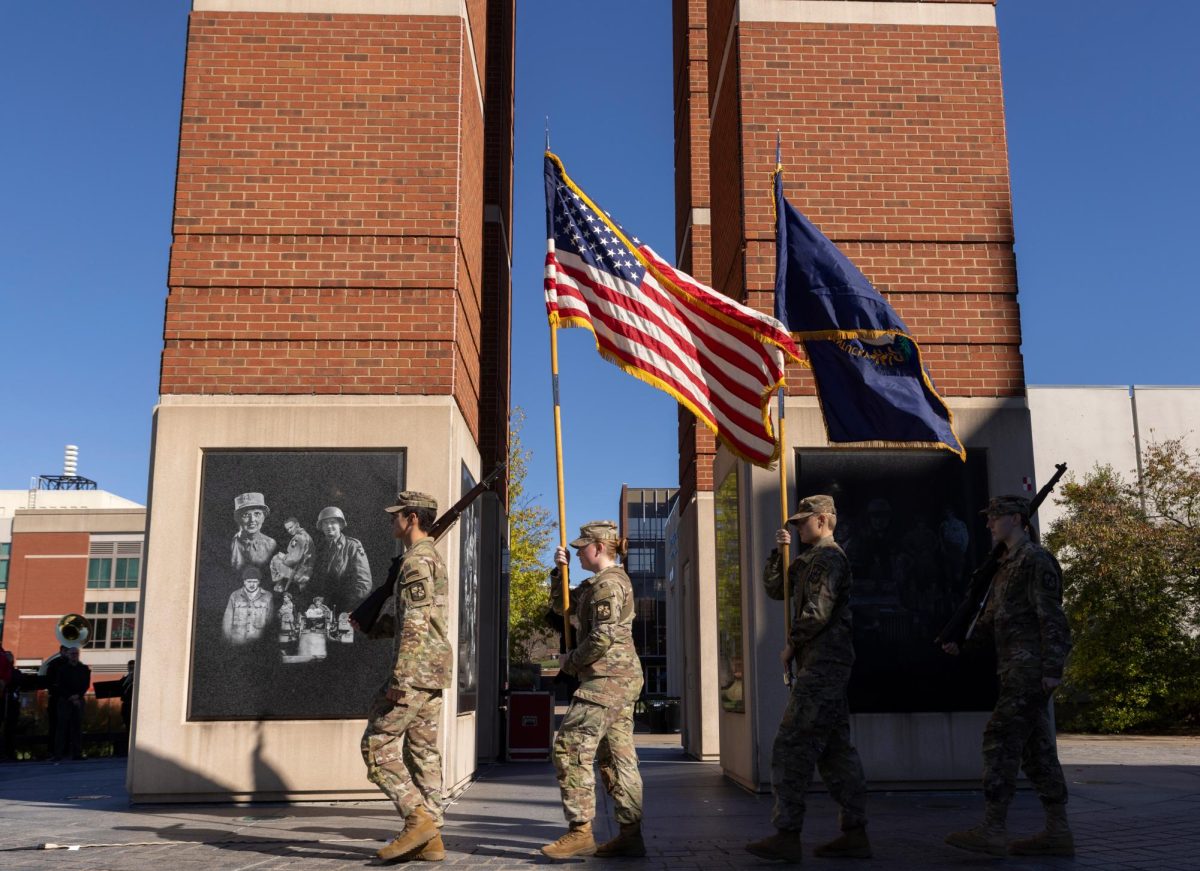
[[577, 229]]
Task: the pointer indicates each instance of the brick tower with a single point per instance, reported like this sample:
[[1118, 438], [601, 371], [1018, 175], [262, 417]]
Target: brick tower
[[339, 295], [892, 124]]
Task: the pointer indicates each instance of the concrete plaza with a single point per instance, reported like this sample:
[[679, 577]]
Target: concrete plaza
[[1135, 803]]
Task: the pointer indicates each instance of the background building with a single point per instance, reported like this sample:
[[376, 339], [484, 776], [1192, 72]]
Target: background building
[[644, 513], [1085, 426], [70, 551]]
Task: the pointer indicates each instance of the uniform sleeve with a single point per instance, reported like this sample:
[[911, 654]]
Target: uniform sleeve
[[773, 575], [415, 589], [607, 602], [827, 583], [556, 603], [1045, 589]]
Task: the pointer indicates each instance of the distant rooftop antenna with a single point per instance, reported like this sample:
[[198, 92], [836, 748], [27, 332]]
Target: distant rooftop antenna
[[68, 480]]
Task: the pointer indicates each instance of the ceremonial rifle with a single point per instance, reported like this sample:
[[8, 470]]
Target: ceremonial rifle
[[982, 578], [367, 612]]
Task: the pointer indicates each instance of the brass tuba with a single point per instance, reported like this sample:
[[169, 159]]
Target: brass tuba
[[73, 630]]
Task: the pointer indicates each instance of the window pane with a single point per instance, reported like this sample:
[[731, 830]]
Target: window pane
[[5, 548], [99, 573], [99, 636], [122, 632], [127, 572], [3, 574]]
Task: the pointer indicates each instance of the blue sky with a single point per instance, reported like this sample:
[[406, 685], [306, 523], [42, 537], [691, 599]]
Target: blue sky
[[1101, 103]]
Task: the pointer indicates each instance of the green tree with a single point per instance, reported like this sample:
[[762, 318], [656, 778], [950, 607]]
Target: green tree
[[1131, 559], [530, 533]]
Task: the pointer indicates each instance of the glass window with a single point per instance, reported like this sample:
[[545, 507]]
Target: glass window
[[1, 620], [127, 573], [5, 548], [114, 624], [99, 573]]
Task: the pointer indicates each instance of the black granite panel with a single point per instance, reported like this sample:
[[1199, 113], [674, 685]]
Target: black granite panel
[[311, 526]]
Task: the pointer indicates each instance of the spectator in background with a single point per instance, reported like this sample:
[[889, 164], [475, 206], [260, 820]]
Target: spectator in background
[[127, 695], [10, 704], [71, 682], [48, 680]]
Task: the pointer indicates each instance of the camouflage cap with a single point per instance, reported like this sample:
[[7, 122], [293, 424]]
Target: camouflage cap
[[998, 506], [596, 530], [411, 500], [810, 505]]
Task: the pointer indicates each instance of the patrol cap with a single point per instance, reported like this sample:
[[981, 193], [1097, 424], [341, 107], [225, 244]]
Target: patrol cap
[[251, 572], [998, 506], [596, 530], [411, 500], [249, 500], [810, 505]]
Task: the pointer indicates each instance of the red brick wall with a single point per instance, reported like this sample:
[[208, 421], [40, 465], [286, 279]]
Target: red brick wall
[[43, 586], [697, 445], [894, 145], [329, 207]]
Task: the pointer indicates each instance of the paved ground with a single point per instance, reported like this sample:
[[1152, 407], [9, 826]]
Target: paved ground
[[1135, 805]]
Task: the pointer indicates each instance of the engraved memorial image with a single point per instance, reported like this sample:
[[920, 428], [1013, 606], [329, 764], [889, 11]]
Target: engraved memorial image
[[468, 597], [911, 528], [272, 635]]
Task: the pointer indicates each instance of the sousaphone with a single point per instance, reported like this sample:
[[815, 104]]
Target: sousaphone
[[73, 630]]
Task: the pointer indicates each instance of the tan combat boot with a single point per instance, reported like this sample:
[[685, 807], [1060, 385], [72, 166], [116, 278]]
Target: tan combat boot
[[783, 846], [983, 838], [628, 843], [434, 851], [578, 841], [850, 844], [419, 830], [1056, 840]]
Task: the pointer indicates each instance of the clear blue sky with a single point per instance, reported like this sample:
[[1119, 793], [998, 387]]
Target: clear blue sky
[[1101, 99]]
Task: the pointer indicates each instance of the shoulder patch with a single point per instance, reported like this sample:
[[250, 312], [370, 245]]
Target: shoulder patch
[[603, 611], [1049, 581]]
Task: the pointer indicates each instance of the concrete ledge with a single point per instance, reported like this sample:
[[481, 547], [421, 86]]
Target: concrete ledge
[[864, 12]]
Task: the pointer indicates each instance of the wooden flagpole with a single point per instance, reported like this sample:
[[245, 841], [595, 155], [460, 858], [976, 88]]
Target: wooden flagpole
[[785, 551], [562, 493]]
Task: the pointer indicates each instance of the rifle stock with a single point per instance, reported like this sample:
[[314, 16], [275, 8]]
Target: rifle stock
[[368, 610], [963, 622]]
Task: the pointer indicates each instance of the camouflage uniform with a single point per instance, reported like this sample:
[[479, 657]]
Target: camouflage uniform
[[815, 730], [1025, 616], [598, 726], [400, 742]]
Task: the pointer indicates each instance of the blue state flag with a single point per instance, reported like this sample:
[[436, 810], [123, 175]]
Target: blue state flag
[[871, 384]]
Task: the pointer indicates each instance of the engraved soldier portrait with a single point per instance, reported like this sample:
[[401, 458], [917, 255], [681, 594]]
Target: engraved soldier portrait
[[251, 547]]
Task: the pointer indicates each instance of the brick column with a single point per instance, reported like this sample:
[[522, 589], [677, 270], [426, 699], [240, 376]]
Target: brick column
[[339, 279]]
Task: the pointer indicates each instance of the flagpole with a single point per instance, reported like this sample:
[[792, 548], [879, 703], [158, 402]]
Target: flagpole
[[564, 571], [786, 550]]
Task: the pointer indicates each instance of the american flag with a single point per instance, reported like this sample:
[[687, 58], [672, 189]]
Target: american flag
[[718, 358]]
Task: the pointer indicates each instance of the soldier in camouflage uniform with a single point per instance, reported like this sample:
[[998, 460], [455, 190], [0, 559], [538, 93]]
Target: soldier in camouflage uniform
[[400, 742], [815, 731], [1025, 616], [598, 726]]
